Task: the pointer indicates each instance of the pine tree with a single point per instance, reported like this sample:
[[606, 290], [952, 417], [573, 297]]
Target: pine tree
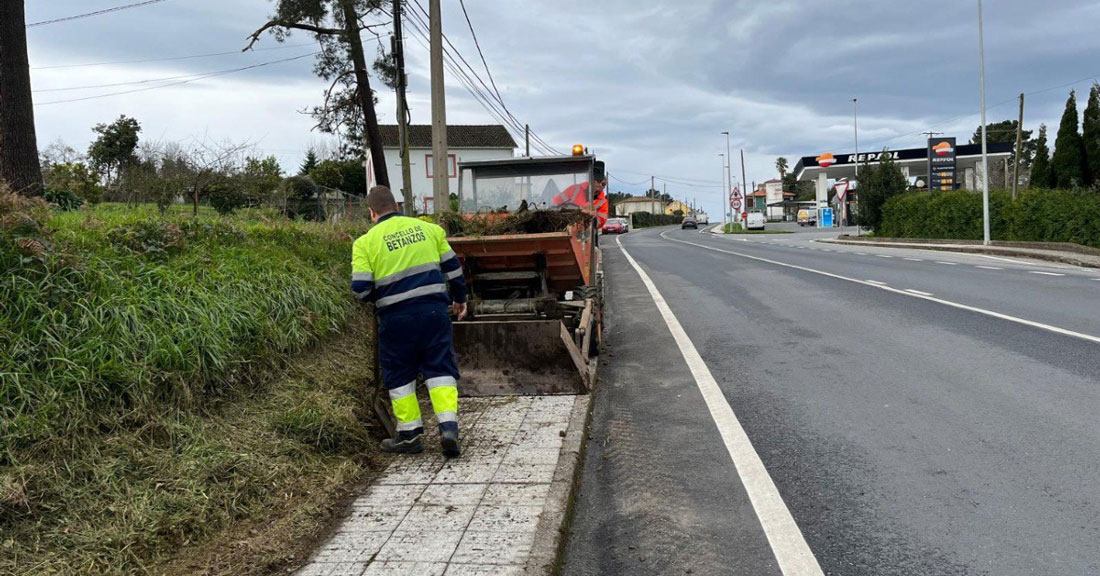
[[1068, 162], [1041, 175], [1092, 136], [310, 164]]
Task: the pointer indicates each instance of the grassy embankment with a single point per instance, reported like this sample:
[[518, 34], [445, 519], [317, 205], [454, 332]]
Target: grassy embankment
[[177, 395]]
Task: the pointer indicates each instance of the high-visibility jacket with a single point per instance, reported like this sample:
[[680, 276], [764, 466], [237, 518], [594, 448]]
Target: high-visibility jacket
[[404, 261], [578, 194]]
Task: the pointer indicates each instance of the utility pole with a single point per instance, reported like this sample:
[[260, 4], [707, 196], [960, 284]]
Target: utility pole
[[985, 146], [402, 111], [652, 185], [441, 189], [726, 208], [527, 138], [724, 203], [1019, 149]]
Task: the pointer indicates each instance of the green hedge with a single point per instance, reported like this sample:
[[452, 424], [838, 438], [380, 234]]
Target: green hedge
[[647, 220], [1035, 216]]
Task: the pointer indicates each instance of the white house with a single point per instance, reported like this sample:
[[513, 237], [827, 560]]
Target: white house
[[464, 143], [639, 204]]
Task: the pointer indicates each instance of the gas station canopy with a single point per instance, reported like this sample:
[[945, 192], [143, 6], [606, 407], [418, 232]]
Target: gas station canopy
[[912, 161]]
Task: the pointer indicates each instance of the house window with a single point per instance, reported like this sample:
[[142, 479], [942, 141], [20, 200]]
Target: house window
[[452, 166]]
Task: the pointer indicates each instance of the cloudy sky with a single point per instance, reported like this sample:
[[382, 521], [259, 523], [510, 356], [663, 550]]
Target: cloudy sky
[[648, 85]]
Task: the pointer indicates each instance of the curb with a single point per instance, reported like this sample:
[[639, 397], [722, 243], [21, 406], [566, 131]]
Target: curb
[[965, 249], [550, 535]]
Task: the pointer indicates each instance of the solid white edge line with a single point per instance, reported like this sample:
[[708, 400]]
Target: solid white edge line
[[1044, 273], [1002, 259], [876, 283], [998, 315], [787, 542], [918, 292]]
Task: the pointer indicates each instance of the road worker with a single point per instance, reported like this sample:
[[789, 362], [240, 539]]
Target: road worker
[[406, 268], [577, 195]]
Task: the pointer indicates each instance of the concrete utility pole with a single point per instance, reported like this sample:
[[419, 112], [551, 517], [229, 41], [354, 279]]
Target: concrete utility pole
[[441, 189], [855, 128], [527, 138], [985, 146], [1019, 149], [402, 111], [652, 185]]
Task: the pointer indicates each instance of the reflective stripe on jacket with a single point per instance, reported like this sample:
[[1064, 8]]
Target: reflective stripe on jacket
[[404, 260]]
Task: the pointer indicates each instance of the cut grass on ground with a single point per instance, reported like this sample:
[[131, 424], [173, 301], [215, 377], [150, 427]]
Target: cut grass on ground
[[177, 395]]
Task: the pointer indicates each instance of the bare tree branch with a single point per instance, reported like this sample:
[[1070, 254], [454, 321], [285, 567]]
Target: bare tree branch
[[255, 36]]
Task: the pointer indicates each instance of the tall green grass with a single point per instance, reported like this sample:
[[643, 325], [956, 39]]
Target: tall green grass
[[135, 353]]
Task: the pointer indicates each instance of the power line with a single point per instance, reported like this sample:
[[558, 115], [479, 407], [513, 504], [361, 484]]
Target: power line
[[478, 46], [96, 13], [168, 59], [466, 77], [466, 73], [210, 75]]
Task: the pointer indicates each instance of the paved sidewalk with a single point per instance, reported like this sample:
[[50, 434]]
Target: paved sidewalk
[[1063, 256], [497, 510]]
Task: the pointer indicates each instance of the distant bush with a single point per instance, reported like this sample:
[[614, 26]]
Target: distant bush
[[226, 197], [647, 220], [1035, 216], [63, 199]]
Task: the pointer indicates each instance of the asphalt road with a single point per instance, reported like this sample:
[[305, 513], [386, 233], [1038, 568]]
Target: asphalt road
[[952, 429]]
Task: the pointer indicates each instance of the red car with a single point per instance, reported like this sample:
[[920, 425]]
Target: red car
[[613, 226]]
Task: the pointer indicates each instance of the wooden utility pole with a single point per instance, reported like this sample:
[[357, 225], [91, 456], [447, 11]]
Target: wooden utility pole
[[402, 110], [441, 189], [1019, 149], [366, 95], [19, 166]]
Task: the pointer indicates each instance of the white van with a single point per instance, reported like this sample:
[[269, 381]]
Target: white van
[[756, 221]]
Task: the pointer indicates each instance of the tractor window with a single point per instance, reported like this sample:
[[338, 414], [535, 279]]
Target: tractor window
[[503, 190]]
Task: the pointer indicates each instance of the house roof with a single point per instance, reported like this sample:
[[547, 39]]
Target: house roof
[[458, 136], [639, 199]]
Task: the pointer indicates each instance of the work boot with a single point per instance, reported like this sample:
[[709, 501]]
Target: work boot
[[449, 440], [404, 443]]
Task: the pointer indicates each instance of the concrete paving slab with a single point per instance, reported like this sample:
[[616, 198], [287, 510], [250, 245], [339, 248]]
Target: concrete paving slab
[[498, 510]]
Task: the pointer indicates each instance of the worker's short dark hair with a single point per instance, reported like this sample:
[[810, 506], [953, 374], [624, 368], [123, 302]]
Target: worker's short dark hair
[[381, 200]]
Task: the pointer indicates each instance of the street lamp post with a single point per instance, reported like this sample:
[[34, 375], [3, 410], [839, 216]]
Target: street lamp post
[[985, 149], [855, 127], [722, 196], [726, 208]]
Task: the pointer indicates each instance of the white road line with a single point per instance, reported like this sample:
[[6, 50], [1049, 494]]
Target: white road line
[[883, 255], [991, 313], [876, 283], [1002, 259], [918, 292], [788, 544], [914, 260], [1044, 273], [948, 263], [859, 253], [989, 268]]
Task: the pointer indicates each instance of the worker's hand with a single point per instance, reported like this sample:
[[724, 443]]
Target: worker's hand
[[459, 310]]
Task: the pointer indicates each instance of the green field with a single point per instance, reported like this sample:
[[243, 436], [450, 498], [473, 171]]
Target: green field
[[172, 385]]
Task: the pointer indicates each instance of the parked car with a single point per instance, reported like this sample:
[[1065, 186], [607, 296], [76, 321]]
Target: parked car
[[807, 217], [689, 222], [613, 226], [756, 221]]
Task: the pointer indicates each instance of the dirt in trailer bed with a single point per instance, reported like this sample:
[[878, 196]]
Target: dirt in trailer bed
[[523, 222]]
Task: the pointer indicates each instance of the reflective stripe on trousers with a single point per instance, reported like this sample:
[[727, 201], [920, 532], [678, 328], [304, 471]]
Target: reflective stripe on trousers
[[444, 394]]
